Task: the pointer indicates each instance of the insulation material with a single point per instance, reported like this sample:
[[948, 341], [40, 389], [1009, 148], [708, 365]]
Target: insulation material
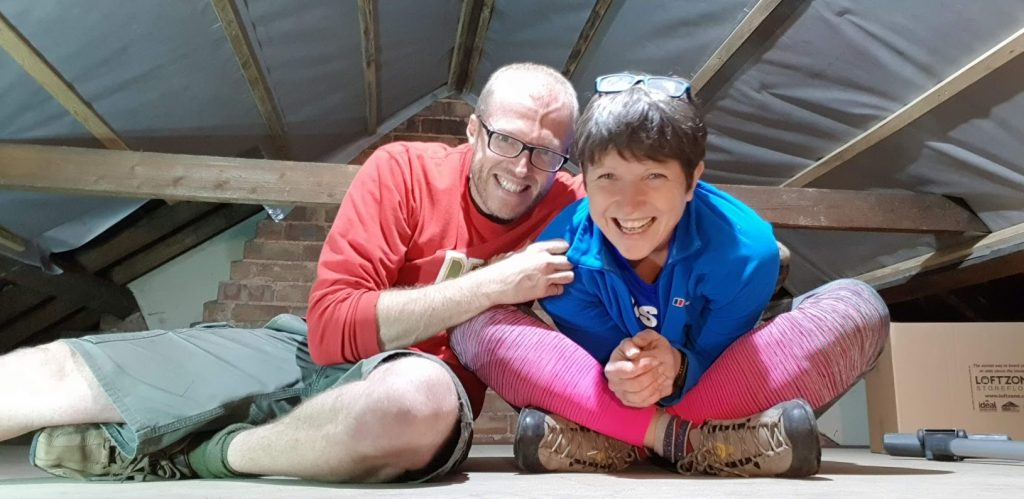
[[840, 67], [663, 37], [161, 73], [53, 222], [310, 51], [416, 40], [969, 147], [538, 31]]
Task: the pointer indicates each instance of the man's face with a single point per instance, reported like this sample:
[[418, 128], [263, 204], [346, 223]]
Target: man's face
[[638, 203], [508, 188]]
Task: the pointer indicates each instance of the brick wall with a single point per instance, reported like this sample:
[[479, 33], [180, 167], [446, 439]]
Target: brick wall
[[279, 264]]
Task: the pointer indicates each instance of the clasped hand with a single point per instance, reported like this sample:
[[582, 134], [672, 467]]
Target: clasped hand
[[642, 369]]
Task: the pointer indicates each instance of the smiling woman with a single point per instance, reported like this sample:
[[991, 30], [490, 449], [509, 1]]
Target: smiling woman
[[656, 343]]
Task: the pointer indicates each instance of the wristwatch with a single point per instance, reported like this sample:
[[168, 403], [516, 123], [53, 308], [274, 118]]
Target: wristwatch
[[680, 381]]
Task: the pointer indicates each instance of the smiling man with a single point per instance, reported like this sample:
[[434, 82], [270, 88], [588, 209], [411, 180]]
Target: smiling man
[[370, 390]]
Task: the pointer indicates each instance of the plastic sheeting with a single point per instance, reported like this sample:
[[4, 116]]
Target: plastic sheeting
[[164, 76], [840, 67]]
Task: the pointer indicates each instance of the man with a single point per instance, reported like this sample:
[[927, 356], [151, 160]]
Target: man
[[363, 397]]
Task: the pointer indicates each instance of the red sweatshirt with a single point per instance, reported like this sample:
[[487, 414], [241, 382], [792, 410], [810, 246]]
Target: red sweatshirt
[[408, 219]]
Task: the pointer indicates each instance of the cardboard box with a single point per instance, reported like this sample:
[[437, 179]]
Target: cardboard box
[[952, 375]]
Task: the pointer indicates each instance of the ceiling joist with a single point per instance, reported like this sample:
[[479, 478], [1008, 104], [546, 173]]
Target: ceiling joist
[[955, 276], [257, 181], [12, 241], [753, 19], [369, 26], [259, 85], [977, 248], [965, 77], [33, 62], [586, 36], [175, 176], [835, 209], [97, 255], [36, 320], [197, 233], [78, 288]]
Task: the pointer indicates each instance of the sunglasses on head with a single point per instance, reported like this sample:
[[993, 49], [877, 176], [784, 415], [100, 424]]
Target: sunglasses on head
[[620, 82]]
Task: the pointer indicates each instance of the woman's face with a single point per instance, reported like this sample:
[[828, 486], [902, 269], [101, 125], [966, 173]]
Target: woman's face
[[638, 203]]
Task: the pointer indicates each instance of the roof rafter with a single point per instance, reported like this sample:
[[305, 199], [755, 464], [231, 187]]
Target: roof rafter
[[758, 13], [975, 248], [80, 288], [369, 25], [469, 17], [258, 181], [586, 36], [33, 62], [954, 84], [12, 241], [259, 85], [955, 276], [486, 9]]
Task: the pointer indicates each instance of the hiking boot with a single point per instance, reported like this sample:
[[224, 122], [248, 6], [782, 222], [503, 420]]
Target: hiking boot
[[86, 452], [779, 442], [546, 442]]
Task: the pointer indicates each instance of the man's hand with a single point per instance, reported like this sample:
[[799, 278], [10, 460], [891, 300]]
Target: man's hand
[[642, 368], [538, 271]]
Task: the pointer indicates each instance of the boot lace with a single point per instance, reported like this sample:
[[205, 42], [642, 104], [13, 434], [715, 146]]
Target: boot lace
[[585, 447], [725, 449]]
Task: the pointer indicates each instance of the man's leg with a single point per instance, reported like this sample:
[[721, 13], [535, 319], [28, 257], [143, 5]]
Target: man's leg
[[49, 385], [373, 430]]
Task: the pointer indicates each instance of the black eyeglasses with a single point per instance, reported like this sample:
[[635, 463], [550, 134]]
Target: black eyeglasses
[[620, 82], [508, 146]]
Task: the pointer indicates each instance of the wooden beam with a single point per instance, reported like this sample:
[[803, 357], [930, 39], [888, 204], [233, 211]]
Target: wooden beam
[[988, 62], [746, 27], [156, 225], [74, 287], [33, 62], [478, 43], [956, 276], [15, 300], [173, 176], [975, 248], [469, 18], [72, 326], [586, 35], [256, 181], [12, 241], [194, 235], [368, 24], [259, 85], [28, 324], [834, 209]]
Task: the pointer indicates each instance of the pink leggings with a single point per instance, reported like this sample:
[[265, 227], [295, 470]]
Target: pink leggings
[[816, 352]]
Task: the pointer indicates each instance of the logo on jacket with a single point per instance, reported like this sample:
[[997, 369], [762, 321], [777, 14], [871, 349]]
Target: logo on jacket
[[679, 302]]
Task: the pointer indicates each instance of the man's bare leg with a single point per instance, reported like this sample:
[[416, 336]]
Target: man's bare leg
[[49, 385], [373, 430]]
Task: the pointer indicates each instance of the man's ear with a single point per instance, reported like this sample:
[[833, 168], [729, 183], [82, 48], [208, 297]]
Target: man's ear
[[697, 172], [472, 128]]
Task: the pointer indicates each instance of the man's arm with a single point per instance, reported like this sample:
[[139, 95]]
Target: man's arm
[[408, 316]]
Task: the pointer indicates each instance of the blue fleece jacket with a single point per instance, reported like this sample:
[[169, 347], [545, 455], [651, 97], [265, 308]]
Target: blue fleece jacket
[[719, 275]]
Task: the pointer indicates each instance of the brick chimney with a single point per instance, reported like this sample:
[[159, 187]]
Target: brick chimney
[[279, 264]]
